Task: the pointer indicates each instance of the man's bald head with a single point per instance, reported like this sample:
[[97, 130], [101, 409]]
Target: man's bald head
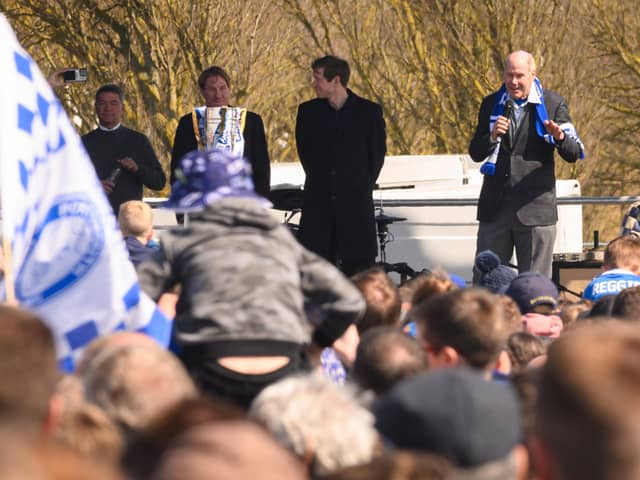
[[519, 71], [520, 56]]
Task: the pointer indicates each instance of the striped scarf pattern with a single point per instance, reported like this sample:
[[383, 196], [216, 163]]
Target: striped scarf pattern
[[536, 97]]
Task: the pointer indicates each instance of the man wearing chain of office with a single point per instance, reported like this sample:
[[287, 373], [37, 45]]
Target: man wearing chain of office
[[218, 125]]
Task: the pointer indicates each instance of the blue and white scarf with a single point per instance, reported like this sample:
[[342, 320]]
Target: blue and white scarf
[[536, 97], [630, 224], [227, 129]]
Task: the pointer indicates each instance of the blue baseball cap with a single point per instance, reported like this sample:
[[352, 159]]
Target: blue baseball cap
[[530, 289], [209, 175]]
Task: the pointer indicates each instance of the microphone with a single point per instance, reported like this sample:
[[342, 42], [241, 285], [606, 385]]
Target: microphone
[[113, 176], [508, 108], [489, 167]]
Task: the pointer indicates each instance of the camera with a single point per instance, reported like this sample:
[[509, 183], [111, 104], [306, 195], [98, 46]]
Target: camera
[[75, 75]]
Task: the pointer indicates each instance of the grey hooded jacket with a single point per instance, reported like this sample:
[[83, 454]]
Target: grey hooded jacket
[[245, 277]]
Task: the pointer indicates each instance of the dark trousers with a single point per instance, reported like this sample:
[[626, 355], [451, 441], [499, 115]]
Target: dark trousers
[[348, 266], [212, 378]]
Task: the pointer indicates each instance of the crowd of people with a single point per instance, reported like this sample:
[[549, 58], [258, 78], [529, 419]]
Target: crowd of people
[[290, 362], [501, 380]]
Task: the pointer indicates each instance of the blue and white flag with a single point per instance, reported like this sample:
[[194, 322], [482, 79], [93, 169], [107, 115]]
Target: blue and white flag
[[70, 262]]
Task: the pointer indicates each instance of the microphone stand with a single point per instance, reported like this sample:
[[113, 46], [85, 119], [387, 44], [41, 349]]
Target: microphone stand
[[561, 287], [382, 223]]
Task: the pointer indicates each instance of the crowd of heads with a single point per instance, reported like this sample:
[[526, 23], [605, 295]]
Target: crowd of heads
[[460, 383], [499, 380], [440, 380]]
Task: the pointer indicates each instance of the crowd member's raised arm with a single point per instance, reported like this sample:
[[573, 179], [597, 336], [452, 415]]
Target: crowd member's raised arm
[[333, 301]]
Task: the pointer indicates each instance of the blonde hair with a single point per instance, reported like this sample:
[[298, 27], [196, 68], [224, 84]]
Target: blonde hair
[[87, 430], [134, 383], [623, 252], [135, 219], [430, 285]]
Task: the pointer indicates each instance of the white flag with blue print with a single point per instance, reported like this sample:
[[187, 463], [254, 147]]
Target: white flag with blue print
[[70, 262]]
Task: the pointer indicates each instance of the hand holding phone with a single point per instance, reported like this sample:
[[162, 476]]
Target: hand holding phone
[[75, 75], [62, 77]]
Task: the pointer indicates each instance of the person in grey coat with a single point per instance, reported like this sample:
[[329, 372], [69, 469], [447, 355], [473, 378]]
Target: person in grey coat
[[251, 297]]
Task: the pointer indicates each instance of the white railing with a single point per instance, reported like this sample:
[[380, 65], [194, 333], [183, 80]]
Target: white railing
[[468, 202]]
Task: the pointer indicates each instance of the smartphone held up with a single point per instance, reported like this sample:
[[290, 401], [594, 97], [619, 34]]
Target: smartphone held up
[[75, 75]]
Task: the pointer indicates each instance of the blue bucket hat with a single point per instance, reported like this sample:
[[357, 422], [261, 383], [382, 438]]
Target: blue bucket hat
[[209, 175]]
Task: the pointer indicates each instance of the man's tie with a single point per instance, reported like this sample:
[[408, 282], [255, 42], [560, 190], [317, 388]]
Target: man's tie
[[513, 126]]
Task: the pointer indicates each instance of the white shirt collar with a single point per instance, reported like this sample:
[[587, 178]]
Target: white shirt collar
[[105, 129]]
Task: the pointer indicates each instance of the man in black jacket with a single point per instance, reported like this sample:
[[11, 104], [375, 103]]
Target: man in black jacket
[[341, 142], [517, 206], [123, 158]]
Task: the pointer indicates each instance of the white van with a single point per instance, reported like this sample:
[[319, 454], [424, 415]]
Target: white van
[[437, 233]]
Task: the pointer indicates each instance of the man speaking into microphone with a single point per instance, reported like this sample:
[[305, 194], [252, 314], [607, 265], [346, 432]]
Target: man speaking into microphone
[[519, 128]]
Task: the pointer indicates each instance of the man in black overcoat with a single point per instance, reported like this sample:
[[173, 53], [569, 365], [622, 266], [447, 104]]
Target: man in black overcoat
[[341, 141]]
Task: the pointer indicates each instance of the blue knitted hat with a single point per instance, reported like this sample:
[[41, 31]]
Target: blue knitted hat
[[493, 275]]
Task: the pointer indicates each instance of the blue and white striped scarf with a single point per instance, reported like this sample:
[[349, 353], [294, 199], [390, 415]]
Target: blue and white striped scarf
[[630, 224], [229, 126], [536, 97]]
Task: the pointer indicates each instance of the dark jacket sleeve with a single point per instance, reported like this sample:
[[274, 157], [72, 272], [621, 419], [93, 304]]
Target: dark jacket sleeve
[[330, 298], [568, 149], [480, 146], [184, 142], [149, 168], [378, 145], [155, 275], [302, 137], [258, 154]]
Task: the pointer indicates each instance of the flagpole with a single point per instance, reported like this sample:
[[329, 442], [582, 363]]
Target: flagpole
[[9, 284]]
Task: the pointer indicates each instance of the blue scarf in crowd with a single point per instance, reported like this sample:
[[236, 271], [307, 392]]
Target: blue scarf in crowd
[[536, 97], [630, 224]]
